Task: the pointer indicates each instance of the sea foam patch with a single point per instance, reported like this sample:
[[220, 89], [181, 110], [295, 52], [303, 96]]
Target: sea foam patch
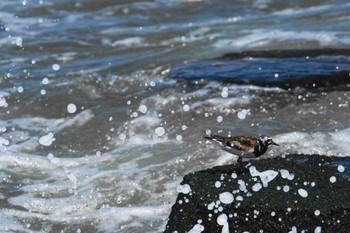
[[265, 176], [331, 144], [3, 102]]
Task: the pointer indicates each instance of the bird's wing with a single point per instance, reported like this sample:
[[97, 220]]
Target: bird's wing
[[243, 143]]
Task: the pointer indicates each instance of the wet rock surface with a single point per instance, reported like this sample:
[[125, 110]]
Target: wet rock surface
[[310, 69], [283, 194]]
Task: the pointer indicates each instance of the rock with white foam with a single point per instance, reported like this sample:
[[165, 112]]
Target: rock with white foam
[[341, 168], [226, 197], [303, 193], [198, 228], [256, 187], [222, 220], [286, 174], [185, 189], [332, 179], [265, 176], [297, 190]]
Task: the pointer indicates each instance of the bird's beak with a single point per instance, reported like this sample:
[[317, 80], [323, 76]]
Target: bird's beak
[[274, 143]]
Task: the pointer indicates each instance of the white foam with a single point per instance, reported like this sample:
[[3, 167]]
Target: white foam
[[332, 179], [256, 187], [122, 136], [185, 189], [219, 119], [303, 193], [341, 168], [131, 41], [294, 230], [217, 184], [186, 108], [217, 104], [198, 228], [45, 81], [47, 139], [341, 140], [178, 137], [78, 120], [71, 108], [4, 142], [108, 218], [301, 12], [226, 197], [20, 89], [242, 185], [286, 188], [224, 93], [211, 206], [75, 180], [3, 102], [286, 175], [56, 67], [261, 37], [144, 130], [143, 108], [330, 144], [222, 221], [265, 176], [160, 131], [243, 114], [223, 158], [318, 229]]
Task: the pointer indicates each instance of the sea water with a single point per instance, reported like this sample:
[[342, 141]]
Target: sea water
[[95, 136]]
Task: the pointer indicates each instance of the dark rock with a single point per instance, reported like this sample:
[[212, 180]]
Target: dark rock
[[276, 208], [286, 69]]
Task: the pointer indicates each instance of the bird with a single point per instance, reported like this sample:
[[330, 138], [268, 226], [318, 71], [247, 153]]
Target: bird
[[243, 146]]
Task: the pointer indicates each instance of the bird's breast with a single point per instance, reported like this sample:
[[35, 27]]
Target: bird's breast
[[243, 154]]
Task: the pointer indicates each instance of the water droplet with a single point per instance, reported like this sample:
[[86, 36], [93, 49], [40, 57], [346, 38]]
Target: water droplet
[[186, 108], [56, 67], [333, 179], [160, 131], [219, 119], [143, 108], [341, 168], [45, 81], [71, 108], [20, 89]]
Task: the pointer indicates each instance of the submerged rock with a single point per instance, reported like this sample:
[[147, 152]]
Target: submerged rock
[[290, 194], [286, 69]]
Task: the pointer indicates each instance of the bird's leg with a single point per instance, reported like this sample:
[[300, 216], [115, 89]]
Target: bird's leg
[[227, 143], [240, 160]]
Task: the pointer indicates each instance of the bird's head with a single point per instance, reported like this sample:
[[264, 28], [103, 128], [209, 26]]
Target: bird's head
[[267, 140]]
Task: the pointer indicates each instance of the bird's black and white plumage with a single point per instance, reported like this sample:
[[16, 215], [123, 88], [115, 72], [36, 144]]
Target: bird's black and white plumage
[[243, 146]]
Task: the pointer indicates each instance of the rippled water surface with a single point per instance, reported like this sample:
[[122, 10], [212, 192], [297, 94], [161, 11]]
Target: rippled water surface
[[94, 134]]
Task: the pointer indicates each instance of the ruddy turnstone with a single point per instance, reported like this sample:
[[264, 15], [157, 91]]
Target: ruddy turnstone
[[243, 146]]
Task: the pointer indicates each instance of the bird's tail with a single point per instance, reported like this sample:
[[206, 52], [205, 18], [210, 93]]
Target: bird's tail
[[216, 138]]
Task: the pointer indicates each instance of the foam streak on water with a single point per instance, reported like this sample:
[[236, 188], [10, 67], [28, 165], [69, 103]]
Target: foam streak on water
[[95, 136]]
